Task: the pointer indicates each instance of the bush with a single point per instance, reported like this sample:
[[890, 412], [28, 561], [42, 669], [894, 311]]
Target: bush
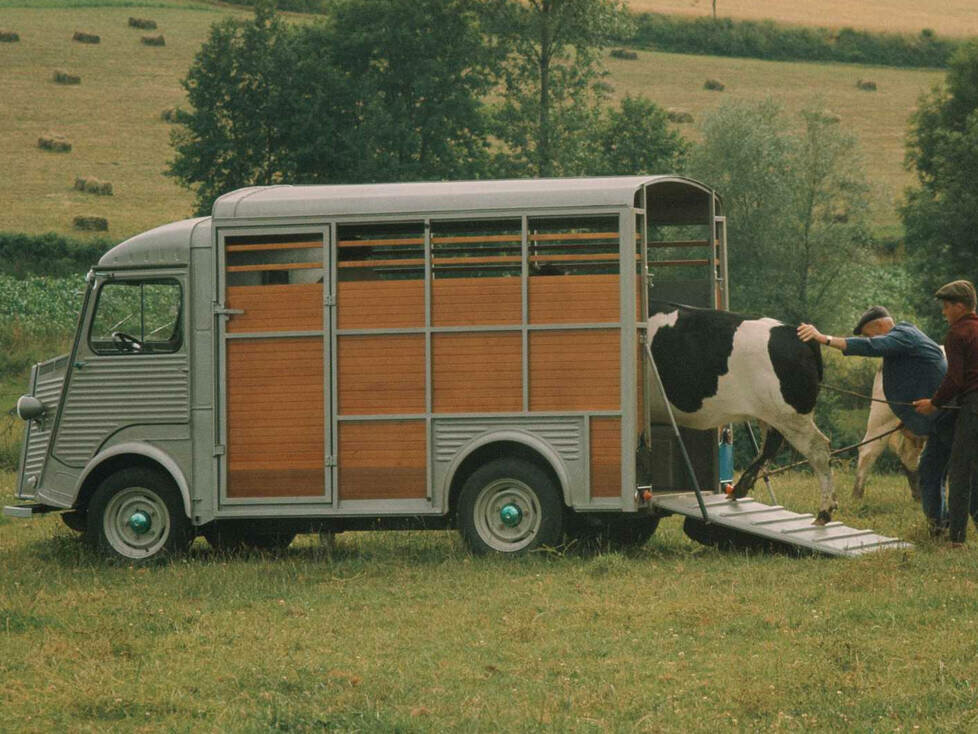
[[54, 255], [768, 40]]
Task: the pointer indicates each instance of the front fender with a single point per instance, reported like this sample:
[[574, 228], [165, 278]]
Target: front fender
[[149, 451]]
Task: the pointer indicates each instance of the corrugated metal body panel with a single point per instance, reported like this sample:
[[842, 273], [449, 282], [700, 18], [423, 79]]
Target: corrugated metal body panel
[[441, 196], [780, 525], [565, 435], [50, 377], [112, 392]]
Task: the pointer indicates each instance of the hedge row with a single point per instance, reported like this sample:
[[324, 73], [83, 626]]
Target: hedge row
[[53, 255], [769, 40]]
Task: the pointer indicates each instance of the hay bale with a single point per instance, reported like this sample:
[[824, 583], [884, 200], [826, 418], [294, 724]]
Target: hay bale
[[867, 85], [92, 185], [54, 142], [676, 114], [145, 23], [82, 37], [9, 37], [91, 224], [154, 40], [830, 117], [63, 77], [622, 53], [714, 85]]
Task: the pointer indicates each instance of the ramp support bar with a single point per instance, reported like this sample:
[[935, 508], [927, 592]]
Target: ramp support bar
[[675, 430]]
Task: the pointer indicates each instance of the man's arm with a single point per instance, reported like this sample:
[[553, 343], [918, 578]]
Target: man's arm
[[807, 333]]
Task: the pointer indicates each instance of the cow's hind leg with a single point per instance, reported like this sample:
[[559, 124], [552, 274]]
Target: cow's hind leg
[[868, 454], [802, 433], [773, 441]]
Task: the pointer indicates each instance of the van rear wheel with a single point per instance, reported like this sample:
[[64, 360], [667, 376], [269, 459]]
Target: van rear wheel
[[137, 515], [510, 506]]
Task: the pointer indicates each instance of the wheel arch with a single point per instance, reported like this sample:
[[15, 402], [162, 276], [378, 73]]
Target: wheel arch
[[502, 444], [125, 455]]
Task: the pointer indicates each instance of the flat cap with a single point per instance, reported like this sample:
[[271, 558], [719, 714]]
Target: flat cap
[[960, 291], [872, 313]]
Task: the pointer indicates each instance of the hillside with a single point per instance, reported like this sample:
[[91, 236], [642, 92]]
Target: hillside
[[950, 17], [112, 118]]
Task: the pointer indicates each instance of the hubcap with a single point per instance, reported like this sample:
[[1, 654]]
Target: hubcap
[[140, 523], [511, 515]]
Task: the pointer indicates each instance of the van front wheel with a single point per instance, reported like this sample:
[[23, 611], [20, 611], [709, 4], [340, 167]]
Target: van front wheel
[[510, 506], [137, 515]]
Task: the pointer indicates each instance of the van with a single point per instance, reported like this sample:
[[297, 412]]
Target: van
[[418, 355]]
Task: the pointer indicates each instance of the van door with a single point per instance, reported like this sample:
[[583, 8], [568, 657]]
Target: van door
[[275, 367]]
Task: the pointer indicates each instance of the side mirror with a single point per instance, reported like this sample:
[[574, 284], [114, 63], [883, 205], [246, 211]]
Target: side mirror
[[30, 408]]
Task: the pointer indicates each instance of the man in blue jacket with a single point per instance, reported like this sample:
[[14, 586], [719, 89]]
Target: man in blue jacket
[[913, 367]]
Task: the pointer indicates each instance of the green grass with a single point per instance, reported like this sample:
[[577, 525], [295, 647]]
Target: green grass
[[113, 117], [407, 632]]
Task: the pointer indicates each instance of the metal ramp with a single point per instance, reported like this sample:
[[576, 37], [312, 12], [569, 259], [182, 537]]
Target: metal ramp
[[775, 523]]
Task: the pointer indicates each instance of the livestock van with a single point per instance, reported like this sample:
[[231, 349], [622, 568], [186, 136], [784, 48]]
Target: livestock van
[[423, 355]]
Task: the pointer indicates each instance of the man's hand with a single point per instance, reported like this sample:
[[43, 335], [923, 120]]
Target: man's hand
[[924, 406], [807, 332]]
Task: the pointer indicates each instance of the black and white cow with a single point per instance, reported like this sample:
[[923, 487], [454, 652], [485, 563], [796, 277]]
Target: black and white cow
[[719, 367]]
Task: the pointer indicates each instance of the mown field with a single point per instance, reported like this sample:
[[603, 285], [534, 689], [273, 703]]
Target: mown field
[[949, 17], [112, 118], [407, 632]]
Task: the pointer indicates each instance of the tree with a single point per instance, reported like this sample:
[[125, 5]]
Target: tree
[[239, 88], [381, 90], [636, 138], [940, 215], [552, 86], [797, 206]]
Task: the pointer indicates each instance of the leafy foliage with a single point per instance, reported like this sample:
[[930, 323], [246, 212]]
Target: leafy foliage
[[48, 254], [941, 214], [769, 40], [552, 88], [636, 138], [797, 208]]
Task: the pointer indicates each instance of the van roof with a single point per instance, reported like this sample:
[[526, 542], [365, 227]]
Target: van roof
[[484, 197]]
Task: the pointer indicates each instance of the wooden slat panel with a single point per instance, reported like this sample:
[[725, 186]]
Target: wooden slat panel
[[275, 417], [276, 246], [276, 307], [574, 370], [382, 460], [382, 242], [573, 236], [605, 457], [381, 374], [273, 266], [414, 262], [376, 304], [477, 373], [476, 301], [566, 299]]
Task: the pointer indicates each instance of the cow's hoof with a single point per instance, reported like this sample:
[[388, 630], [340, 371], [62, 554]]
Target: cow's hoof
[[822, 517]]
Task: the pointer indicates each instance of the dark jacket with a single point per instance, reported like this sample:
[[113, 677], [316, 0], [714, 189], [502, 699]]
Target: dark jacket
[[961, 344], [913, 367]]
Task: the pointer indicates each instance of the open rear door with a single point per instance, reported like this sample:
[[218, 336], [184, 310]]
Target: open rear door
[[275, 370]]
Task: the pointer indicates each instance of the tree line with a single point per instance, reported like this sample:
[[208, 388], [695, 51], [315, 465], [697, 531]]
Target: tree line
[[412, 90]]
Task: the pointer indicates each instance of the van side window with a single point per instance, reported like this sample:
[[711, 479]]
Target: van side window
[[137, 317]]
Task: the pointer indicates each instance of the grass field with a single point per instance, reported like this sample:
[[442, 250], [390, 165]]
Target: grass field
[[407, 632], [113, 117], [948, 17]]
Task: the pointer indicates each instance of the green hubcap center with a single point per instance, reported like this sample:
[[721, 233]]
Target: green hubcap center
[[140, 522], [511, 515]]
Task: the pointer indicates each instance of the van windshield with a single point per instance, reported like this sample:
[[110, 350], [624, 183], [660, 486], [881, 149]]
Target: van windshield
[[137, 317]]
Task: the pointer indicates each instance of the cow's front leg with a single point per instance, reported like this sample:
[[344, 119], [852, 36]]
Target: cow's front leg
[[814, 446]]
